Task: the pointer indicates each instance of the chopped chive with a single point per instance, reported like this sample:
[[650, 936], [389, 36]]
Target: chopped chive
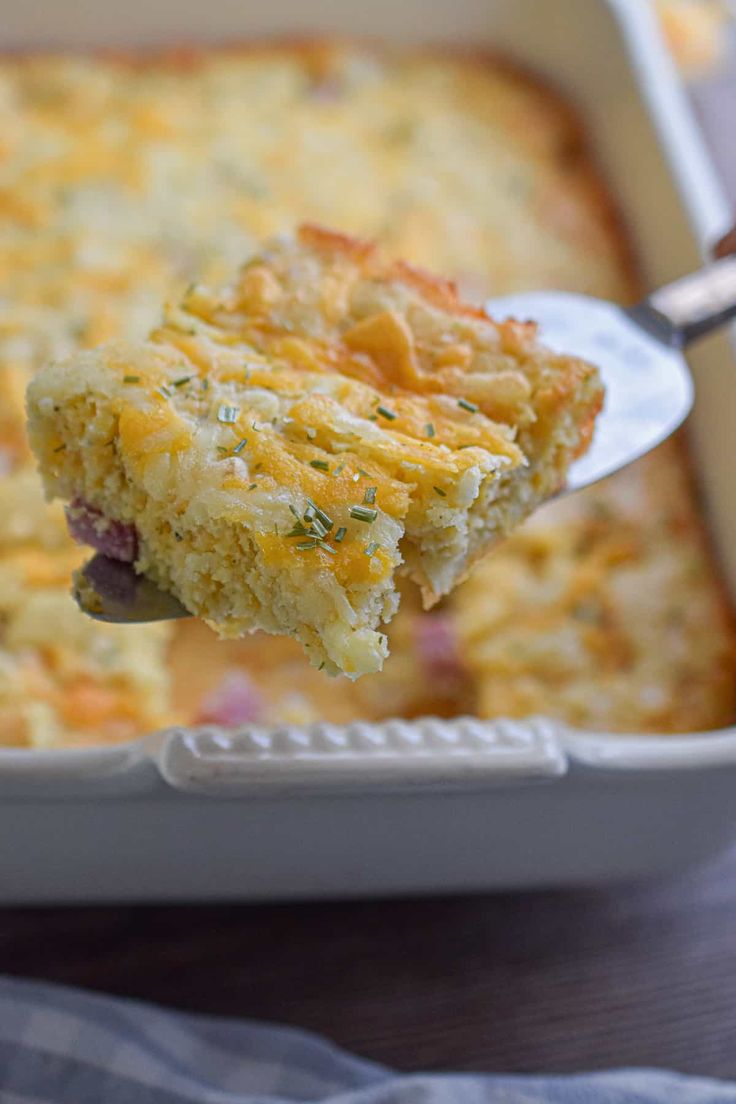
[[222, 450], [178, 537], [361, 472], [254, 427], [321, 666], [386, 413], [228, 414], [370, 496], [429, 428], [295, 512], [363, 513], [205, 384], [440, 492], [163, 391], [373, 418], [321, 465], [317, 529], [339, 469], [323, 517], [252, 486], [371, 548], [311, 433], [240, 446], [465, 446], [326, 548], [471, 407], [60, 448], [297, 530], [340, 534], [305, 546], [182, 380], [131, 379]]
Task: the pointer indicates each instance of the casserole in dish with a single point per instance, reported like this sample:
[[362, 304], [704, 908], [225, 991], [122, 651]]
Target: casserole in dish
[[299, 857]]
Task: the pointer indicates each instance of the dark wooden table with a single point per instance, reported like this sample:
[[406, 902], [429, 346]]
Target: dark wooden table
[[518, 982]]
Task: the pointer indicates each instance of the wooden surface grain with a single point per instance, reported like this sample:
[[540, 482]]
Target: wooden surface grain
[[519, 982], [516, 982]]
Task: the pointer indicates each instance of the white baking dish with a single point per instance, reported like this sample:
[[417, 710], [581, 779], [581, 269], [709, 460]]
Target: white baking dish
[[431, 805]]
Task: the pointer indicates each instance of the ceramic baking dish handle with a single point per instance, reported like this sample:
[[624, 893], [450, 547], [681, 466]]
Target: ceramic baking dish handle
[[353, 758]]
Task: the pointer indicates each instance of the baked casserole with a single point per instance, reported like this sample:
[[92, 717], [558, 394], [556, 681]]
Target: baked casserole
[[124, 181], [280, 448]]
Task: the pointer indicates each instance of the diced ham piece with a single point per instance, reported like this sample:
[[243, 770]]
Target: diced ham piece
[[438, 648], [115, 539], [236, 701]]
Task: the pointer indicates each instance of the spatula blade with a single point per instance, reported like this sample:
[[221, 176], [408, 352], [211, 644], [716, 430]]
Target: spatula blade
[[649, 389]]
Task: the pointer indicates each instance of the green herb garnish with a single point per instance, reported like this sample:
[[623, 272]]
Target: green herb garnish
[[363, 513], [469, 406], [317, 529], [131, 379], [60, 448], [429, 429], [306, 546], [386, 413], [320, 465], [340, 534], [440, 492], [228, 415], [163, 391], [182, 380], [371, 548], [370, 496], [320, 514], [240, 446]]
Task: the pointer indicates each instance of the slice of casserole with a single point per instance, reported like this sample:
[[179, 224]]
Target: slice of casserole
[[279, 449]]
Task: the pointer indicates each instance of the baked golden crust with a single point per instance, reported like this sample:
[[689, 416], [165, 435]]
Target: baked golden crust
[[604, 611], [356, 395]]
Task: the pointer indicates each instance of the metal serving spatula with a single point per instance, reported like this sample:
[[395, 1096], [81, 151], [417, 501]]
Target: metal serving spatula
[[649, 392]]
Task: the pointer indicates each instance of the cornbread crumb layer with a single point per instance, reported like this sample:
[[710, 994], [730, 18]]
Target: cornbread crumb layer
[[282, 445]]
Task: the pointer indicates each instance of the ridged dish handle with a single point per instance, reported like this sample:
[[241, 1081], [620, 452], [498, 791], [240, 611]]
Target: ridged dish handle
[[403, 755]]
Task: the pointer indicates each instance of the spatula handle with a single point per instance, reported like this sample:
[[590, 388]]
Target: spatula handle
[[695, 304]]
